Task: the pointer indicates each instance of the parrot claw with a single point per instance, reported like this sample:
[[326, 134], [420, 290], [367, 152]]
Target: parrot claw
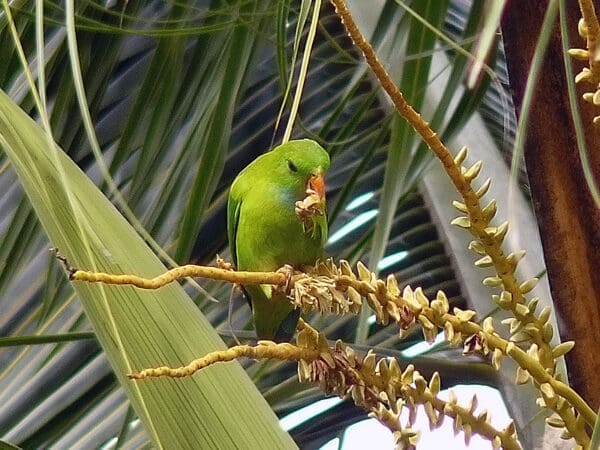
[[288, 271], [222, 264]]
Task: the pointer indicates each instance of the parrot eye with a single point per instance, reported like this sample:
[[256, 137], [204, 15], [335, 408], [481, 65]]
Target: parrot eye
[[292, 166]]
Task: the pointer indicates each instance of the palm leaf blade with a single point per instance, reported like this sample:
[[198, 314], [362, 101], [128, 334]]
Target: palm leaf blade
[[137, 329]]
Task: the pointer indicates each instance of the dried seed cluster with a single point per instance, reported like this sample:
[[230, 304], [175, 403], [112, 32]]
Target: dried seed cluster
[[380, 387], [589, 29], [384, 389], [329, 288], [309, 208], [339, 289]]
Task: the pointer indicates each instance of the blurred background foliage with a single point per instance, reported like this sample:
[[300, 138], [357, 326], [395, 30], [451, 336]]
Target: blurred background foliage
[[181, 98]]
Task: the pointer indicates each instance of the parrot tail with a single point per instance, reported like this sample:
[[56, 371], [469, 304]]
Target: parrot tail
[[287, 328]]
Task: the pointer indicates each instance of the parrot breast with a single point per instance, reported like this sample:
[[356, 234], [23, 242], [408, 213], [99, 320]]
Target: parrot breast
[[274, 235]]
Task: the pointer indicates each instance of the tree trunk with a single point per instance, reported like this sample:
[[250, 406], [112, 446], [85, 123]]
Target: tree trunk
[[568, 219]]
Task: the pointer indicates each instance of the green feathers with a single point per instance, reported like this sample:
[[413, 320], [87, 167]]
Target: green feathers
[[276, 216]]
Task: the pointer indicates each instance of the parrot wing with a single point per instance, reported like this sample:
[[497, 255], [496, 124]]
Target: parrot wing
[[234, 206], [276, 323]]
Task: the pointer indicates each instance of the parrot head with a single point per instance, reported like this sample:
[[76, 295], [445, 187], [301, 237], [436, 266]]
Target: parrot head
[[304, 163]]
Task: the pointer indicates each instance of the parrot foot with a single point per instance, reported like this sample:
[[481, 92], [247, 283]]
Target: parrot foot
[[222, 264], [288, 271]]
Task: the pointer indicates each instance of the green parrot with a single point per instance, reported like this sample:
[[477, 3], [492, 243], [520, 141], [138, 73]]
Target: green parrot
[[276, 216]]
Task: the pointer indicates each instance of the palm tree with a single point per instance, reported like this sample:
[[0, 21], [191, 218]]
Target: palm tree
[[161, 105]]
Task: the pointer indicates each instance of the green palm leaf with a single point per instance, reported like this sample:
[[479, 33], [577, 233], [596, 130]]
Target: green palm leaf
[[136, 328]]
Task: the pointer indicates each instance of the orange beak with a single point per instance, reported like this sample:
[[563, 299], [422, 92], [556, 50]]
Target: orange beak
[[317, 184]]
